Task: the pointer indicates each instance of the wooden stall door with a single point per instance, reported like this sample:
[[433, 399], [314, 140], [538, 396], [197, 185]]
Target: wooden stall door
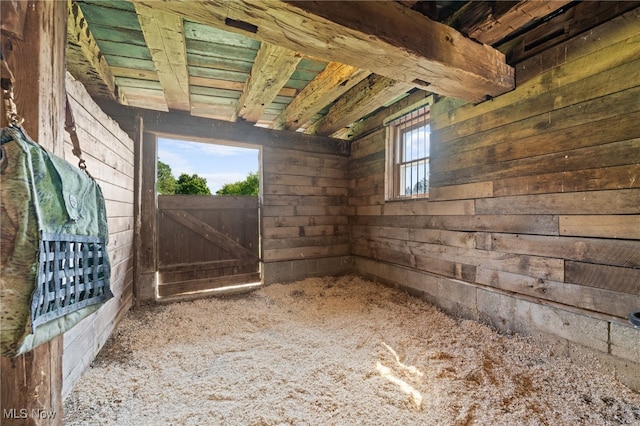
[[206, 242]]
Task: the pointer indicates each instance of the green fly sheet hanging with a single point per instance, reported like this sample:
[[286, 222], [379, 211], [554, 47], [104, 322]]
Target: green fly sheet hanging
[[54, 267]]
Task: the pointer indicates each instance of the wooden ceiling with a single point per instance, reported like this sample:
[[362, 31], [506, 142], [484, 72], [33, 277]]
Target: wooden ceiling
[[313, 67]]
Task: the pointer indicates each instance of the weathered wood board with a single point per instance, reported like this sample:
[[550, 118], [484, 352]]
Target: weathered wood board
[[534, 193], [206, 242]]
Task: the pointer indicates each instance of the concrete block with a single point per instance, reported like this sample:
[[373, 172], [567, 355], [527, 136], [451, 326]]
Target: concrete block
[[626, 371], [145, 287], [276, 272], [332, 266], [500, 311], [625, 342], [458, 291], [581, 329], [425, 283]]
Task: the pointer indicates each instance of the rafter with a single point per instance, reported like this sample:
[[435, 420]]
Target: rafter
[[328, 86], [490, 22], [271, 70], [365, 97], [384, 37], [164, 35], [84, 59]]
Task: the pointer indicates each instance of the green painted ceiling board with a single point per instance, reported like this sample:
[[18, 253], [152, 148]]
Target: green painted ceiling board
[[124, 62], [217, 62], [273, 108], [202, 99], [117, 18], [278, 105], [110, 48], [303, 75], [218, 93], [217, 49], [270, 114], [195, 31], [218, 74], [134, 82], [311, 65], [296, 84], [118, 35], [114, 4], [283, 100]]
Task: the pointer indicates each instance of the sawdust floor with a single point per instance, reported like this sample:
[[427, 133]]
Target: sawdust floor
[[341, 351]]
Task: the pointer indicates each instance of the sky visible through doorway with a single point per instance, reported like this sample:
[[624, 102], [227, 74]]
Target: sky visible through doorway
[[218, 164]]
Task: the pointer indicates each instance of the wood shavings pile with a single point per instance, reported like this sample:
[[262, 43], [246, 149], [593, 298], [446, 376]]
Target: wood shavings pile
[[340, 351]]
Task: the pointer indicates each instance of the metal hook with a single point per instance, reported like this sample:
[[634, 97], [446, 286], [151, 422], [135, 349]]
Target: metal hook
[[6, 82], [13, 117]]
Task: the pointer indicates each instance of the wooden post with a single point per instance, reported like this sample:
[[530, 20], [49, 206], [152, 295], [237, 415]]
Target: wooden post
[[138, 138], [31, 384], [146, 203]]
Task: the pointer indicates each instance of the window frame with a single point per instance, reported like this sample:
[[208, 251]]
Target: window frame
[[400, 124]]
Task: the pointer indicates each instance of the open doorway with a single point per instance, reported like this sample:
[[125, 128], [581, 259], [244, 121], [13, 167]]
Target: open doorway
[[219, 165], [208, 218]]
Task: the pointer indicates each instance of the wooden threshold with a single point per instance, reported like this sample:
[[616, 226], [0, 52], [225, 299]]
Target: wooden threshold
[[209, 286]]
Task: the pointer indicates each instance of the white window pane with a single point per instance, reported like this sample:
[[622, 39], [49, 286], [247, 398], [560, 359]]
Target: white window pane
[[405, 179], [412, 176], [412, 150]]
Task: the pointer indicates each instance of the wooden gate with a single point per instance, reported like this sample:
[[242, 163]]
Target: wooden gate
[[206, 242]]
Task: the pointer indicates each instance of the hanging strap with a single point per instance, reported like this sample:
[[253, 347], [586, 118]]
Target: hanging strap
[[70, 127], [6, 83]]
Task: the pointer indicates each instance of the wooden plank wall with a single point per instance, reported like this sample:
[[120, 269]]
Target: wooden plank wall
[[108, 151], [533, 221], [304, 190], [304, 214]]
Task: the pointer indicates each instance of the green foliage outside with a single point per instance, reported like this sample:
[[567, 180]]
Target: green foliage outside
[[168, 185], [249, 186], [193, 184], [166, 182]]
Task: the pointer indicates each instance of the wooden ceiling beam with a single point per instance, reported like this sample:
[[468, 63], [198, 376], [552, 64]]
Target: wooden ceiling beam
[[271, 70], [383, 37], [326, 87], [177, 124], [84, 59], [164, 34], [489, 22], [364, 98]]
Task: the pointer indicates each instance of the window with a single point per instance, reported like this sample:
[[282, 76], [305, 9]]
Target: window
[[408, 155]]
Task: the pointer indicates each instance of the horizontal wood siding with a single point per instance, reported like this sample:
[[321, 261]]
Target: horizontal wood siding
[[108, 151], [534, 194], [304, 205]]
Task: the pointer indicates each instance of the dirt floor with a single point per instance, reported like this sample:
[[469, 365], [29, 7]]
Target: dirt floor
[[341, 351]]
